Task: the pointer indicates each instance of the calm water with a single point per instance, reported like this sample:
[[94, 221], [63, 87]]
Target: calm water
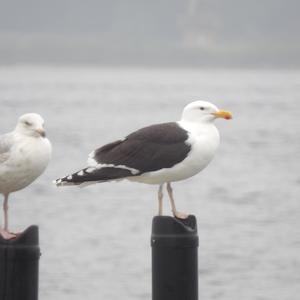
[[95, 241]]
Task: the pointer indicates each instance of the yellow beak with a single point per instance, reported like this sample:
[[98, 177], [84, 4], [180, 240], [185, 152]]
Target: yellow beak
[[223, 114]]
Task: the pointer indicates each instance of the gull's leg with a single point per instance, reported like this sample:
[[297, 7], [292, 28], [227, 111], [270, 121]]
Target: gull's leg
[[176, 213], [4, 232], [160, 199], [5, 210]]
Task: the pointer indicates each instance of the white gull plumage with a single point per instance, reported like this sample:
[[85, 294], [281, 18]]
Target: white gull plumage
[[158, 154], [24, 155]]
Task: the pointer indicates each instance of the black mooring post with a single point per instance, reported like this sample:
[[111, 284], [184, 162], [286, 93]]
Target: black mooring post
[[19, 265], [174, 258]]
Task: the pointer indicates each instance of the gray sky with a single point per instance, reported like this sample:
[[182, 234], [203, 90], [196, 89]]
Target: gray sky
[[158, 32]]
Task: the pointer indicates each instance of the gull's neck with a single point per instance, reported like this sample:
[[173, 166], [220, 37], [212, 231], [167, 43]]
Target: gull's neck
[[197, 127]]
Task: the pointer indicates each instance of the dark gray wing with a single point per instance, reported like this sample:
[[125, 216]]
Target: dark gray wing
[[148, 149]]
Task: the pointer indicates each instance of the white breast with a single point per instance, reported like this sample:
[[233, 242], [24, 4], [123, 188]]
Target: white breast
[[29, 156]]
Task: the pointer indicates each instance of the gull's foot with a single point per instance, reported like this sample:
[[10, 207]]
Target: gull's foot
[[7, 235], [180, 215]]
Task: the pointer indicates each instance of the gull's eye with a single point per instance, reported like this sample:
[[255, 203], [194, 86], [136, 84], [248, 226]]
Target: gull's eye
[[202, 108], [27, 123]]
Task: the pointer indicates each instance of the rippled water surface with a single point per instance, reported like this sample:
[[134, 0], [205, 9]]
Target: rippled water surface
[[96, 241]]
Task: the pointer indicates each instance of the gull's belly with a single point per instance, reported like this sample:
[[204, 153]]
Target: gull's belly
[[201, 154], [23, 166]]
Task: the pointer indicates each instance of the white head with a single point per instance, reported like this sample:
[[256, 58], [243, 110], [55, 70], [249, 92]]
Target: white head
[[31, 125], [202, 111]]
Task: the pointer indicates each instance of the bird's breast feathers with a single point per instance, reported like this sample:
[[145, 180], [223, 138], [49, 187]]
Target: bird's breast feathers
[[31, 154], [28, 159]]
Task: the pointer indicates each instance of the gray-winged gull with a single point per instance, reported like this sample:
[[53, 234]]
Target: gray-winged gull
[[24, 155], [158, 154]]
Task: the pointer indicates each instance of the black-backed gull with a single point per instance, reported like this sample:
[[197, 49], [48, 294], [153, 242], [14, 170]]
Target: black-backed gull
[[157, 154]]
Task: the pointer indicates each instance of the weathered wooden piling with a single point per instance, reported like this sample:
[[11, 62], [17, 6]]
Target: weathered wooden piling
[[174, 258], [19, 266]]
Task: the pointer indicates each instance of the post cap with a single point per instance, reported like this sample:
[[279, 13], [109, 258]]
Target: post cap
[[173, 232]]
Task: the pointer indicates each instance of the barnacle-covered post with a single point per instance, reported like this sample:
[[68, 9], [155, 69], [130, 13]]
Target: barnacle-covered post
[[19, 266], [174, 258]]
